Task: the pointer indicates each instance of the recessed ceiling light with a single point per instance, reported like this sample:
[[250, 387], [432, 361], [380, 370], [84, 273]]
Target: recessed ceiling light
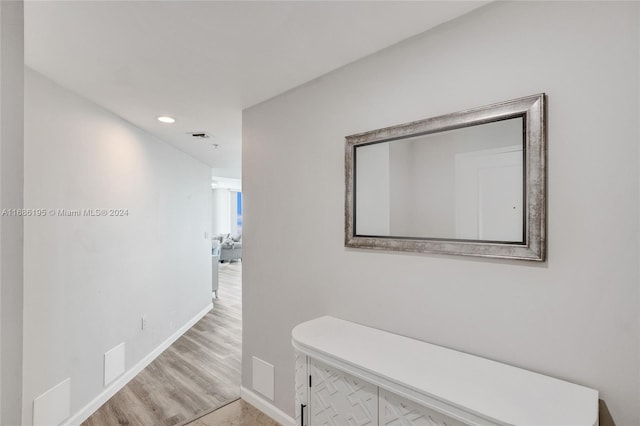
[[166, 119]]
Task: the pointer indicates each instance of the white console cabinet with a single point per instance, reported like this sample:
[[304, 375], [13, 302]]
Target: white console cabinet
[[348, 374]]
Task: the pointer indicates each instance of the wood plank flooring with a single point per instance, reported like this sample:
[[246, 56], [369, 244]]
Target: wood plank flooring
[[238, 413], [199, 372]]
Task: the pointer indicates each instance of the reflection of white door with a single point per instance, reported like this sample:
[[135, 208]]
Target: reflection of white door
[[489, 194]]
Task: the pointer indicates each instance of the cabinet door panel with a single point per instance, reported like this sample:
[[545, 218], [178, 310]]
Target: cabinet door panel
[[339, 399], [398, 411], [302, 385]]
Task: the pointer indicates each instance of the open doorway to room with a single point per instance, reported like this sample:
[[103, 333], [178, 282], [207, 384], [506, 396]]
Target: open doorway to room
[[227, 219]]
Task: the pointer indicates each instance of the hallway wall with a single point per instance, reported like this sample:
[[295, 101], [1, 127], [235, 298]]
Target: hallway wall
[[89, 280], [11, 197]]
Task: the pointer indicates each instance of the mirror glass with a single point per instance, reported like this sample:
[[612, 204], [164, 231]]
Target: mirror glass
[[470, 183], [463, 184]]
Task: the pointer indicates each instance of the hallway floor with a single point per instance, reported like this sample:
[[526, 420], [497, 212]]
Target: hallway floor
[[198, 373], [238, 413]]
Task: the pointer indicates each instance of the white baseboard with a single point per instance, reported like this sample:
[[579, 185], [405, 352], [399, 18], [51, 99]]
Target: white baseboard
[[120, 382], [266, 407]]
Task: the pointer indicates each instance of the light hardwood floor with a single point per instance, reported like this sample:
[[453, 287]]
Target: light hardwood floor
[[197, 373], [238, 413]]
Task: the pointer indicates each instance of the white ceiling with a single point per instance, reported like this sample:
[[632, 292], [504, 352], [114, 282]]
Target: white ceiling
[[202, 62]]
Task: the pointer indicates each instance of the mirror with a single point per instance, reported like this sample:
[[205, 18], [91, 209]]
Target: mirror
[[470, 183]]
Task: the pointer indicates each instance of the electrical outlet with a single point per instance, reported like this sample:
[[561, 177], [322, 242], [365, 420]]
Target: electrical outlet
[[143, 322]]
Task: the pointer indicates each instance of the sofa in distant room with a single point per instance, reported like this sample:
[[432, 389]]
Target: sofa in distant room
[[228, 246]]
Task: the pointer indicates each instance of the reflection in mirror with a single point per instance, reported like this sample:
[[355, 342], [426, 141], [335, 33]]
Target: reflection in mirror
[[463, 184], [471, 182]]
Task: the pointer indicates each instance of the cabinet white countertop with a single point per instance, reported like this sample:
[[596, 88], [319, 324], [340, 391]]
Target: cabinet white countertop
[[448, 380]]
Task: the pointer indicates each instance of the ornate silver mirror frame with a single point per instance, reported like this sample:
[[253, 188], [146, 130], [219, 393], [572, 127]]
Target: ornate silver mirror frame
[[532, 110]]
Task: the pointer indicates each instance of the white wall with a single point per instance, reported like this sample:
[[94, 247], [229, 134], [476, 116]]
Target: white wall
[[372, 195], [575, 316], [89, 280], [401, 188], [214, 208], [221, 214], [11, 197], [233, 212]]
